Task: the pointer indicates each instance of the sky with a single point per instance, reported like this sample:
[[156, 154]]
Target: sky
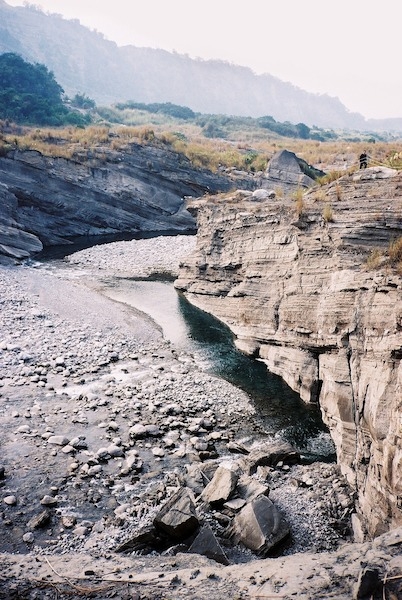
[[349, 49]]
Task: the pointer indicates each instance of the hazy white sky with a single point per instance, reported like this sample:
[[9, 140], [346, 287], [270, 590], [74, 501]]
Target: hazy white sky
[[345, 48]]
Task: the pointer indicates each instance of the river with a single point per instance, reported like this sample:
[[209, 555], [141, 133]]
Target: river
[[280, 410]]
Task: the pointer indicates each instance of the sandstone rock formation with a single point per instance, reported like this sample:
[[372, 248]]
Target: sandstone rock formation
[[308, 289], [289, 172], [47, 201]]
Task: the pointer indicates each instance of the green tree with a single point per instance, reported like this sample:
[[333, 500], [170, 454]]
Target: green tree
[[30, 94]]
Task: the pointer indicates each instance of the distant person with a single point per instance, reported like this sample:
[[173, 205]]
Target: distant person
[[363, 158]]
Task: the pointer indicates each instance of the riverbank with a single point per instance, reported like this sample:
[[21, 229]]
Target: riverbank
[[103, 420]]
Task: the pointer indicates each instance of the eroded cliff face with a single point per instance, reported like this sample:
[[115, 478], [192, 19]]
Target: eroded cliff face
[[294, 284], [46, 201]]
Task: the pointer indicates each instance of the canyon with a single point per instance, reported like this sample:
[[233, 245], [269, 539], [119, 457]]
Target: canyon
[[305, 283], [303, 276]]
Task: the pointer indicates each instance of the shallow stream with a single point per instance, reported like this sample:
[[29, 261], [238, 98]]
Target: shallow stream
[[280, 410]]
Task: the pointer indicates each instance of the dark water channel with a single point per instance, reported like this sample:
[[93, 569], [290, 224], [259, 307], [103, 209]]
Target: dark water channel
[[280, 410]]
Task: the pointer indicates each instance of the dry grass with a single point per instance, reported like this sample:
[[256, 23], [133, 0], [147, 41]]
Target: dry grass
[[374, 259], [327, 213], [395, 254], [392, 257], [298, 197], [244, 150]]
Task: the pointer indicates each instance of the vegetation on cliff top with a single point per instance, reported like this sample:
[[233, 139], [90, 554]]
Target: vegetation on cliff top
[[31, 97], [246, 153]]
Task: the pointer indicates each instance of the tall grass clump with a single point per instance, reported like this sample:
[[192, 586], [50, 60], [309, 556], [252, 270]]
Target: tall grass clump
[[374, 259], [395, 254], [329, 177], [328, 213], [298, 197]]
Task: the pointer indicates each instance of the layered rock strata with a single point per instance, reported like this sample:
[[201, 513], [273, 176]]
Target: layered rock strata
[[47, 201], [307, 287]]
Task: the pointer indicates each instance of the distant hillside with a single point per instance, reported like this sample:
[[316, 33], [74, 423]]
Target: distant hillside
[[83, 61]]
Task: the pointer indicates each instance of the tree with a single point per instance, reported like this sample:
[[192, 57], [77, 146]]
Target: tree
[[30, 94]]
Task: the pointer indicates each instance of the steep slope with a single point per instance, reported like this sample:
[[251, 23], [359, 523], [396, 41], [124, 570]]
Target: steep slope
[[292, 282]]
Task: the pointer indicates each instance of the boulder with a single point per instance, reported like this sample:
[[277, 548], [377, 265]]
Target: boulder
[[206, 544], [249, 488], [270, 455], [221, 486], [288, 171], [259, 526], [178, 518]]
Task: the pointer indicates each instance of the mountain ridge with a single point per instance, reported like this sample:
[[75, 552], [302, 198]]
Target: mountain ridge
[[83, 60]]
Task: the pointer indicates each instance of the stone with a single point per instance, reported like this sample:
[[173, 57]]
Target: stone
[[145, 541], [10, 500], [235, 505], [270, 454], [58, 440], [158, 452], [178, 518], [262, 194], [153, 430], [206, 544], [48, 501], [249, 488], [138, 431], [289, 171], [259, 526], [68, 521], [40, 520], [221, 486], [368, 584], [79, 443]]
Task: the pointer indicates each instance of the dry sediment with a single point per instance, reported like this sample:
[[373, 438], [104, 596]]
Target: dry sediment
[[80, 375]]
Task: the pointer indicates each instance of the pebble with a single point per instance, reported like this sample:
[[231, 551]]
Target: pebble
[[48, 500], [10, 500]]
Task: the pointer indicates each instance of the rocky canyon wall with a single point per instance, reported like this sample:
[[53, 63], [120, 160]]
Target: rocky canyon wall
[[307, 287], [46, 201]]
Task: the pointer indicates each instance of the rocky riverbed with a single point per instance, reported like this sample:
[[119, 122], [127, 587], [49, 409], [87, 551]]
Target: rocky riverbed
[[103, 422]]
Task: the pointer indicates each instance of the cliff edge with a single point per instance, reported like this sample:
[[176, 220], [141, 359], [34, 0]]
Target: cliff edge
[[308, 287]]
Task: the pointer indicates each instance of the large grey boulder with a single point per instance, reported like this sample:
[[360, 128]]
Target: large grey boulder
[[178, 518], [221, 486], [286, 170], [259, 526]]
